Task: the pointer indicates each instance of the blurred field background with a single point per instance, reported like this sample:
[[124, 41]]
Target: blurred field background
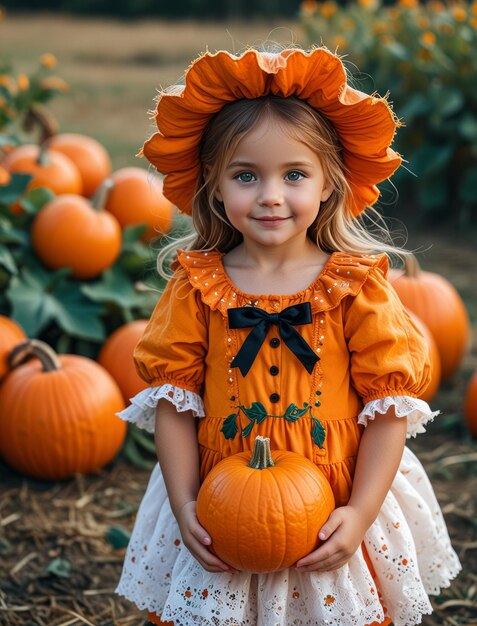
[[113, 67]]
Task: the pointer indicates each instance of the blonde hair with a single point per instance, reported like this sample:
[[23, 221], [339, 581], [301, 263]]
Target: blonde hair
[[334, 229]]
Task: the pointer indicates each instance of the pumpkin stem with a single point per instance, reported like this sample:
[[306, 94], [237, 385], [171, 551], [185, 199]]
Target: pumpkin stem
[[412, 269], [261, 456], [100, 197], [34, 348]]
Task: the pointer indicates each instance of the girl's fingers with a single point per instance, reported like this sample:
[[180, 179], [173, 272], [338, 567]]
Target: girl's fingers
[[332, 524]]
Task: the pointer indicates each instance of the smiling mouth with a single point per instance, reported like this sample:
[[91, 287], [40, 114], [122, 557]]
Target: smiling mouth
[[271, 219]]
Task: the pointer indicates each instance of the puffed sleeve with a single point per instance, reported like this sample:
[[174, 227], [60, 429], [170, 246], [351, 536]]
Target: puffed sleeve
[[170, 356], [390, 363]]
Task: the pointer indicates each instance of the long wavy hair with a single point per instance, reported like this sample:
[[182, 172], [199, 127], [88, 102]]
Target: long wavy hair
[[334, 229]]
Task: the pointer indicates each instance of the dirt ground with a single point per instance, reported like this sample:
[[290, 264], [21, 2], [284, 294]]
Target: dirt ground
[[41, 522]]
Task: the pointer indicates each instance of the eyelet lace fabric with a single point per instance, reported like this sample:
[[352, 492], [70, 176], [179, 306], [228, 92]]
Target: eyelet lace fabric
[[142, 410], [411, 560], [417, 411]]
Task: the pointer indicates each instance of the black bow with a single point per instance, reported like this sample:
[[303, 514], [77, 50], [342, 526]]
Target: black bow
[[247, 316]]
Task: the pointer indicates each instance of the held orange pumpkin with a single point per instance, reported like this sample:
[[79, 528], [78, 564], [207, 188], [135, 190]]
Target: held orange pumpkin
[[57, 414], [70, 231], [116, 357], [470, 406], [137, 198], [10, 335], [89, 156], [435, 301], [264, 514], [48, 168], [434, 358]]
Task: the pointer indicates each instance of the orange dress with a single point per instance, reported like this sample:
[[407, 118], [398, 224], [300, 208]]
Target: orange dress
[[369, 356]]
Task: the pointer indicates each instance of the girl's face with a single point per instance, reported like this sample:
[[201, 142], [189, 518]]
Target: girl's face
[[272, 187]]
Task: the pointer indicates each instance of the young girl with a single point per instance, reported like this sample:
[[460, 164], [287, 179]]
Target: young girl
[[280, 299]]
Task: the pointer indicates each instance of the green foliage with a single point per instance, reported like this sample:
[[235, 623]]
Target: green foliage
[[424, 54]]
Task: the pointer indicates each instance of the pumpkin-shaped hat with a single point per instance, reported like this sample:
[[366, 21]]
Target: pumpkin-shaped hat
[[365, 123]]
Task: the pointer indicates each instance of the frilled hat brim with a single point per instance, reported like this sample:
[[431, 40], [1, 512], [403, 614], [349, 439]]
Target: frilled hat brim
[[364, 123]]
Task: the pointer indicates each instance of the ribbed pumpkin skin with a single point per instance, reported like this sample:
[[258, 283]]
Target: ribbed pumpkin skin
[[435, 301], [58, 423], [116, 357], [434, 357], [69, 232], [137, 198], [89, 156], [264, 520], [10, 335], [60, 174], [470, 407]]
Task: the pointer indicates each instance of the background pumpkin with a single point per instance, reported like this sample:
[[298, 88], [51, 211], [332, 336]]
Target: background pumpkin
[[263, 517], [436, 370], [57, 414], [116, 357], [70, 231], [436, 302], [89, 156], [48, 168], [10, 335], [137, 198], [470, 406]]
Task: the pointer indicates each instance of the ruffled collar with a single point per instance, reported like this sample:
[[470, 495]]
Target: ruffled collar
[[342, 275]]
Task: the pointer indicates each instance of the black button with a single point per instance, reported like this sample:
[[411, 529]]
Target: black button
[[317, 403], [318, 393], [274, 370], [232, 398], [275, 342], [274, 397]]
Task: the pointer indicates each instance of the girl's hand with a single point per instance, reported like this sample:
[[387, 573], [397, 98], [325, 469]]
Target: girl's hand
[[341, 535], [196, 539]]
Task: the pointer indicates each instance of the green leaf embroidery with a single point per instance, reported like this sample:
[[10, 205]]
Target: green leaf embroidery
[[293, 413], [229, 427], [248, 429], [318, 432], [256, 412]]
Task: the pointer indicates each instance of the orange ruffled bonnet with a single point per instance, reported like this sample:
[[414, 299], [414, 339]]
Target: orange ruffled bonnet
[[365, 124]]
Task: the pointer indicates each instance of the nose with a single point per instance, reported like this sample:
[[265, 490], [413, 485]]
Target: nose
[[270, 194]]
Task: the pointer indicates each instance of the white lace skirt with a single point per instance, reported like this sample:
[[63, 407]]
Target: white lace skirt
[[408, 546]]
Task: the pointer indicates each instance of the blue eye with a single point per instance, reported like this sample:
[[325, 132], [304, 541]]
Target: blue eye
[[294, 176], [245, 177]]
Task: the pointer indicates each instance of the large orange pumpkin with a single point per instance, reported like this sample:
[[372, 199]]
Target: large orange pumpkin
[[10, 335], [89, 156], [116, 357], [137, 198], [48, 168], [57, 414], [70, 231], [264, 513], [434, 358], [470, 406], [435, 301]]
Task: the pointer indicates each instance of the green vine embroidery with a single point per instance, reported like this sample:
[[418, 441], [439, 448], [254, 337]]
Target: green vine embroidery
[[256, 413]]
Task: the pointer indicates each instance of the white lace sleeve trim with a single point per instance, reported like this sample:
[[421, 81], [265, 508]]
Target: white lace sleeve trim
[[417, 412], [142, 410]]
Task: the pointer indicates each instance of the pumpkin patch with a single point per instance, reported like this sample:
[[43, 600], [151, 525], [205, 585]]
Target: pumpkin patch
[[264, 513]]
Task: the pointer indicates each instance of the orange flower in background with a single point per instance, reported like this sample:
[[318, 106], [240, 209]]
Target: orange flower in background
[[447, 29], [408, 4], [328, 8], [339, 41], [380, 28], [54, 83], [473, 22], [473, 8], [423, 22], [428, 38], [348, 24], [23, 82], [424, 55], [48, 60], [369, 4], [436, 6], [308, 7], [459, 13], [394, 13]]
